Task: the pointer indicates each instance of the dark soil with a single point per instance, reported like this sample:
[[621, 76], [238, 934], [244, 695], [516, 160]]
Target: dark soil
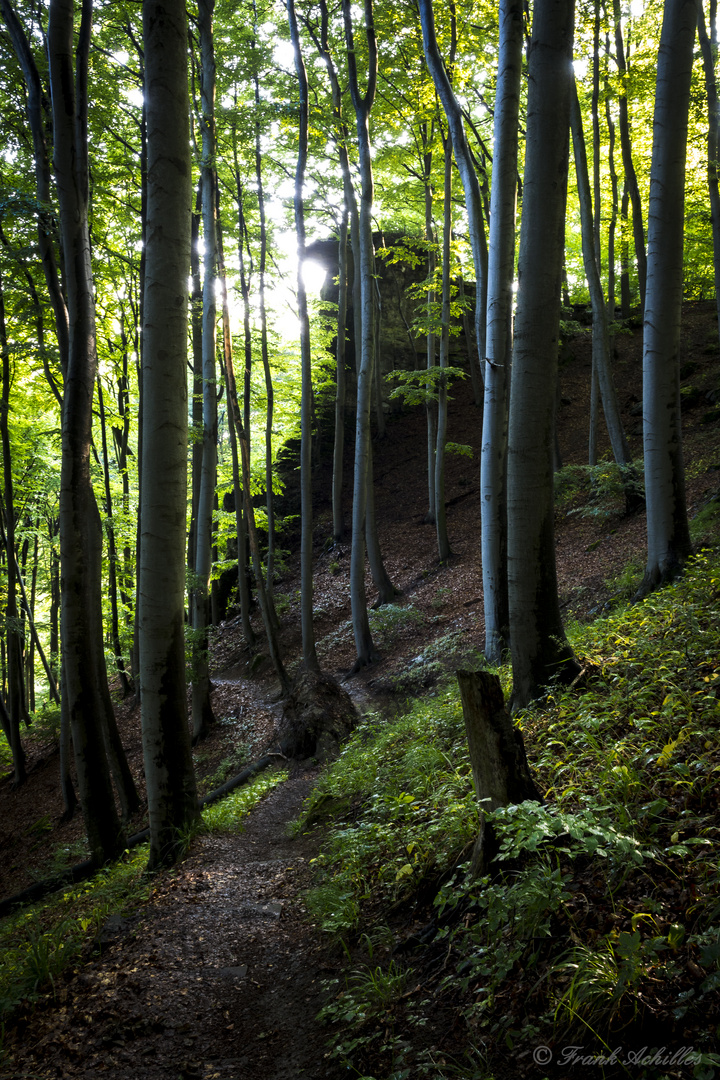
[[220, 973]]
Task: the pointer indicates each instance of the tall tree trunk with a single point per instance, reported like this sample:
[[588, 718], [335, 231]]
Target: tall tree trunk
[[85, 681], [310, 660], [236, 418], [444, 551], [172, 798], [12, 621], [501, 271], [340, 381], [612, 225], [243, 589], [626, 147], [264, 356], [667, 523], [466, 168], [709, 54], [362, 104], [602, 368], [112, 551], [624, 255], [202, 714], [540, 651], [431, 405], [196, 405]]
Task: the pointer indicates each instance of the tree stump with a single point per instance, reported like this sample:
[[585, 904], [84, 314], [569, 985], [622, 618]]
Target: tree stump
[[501, 774]]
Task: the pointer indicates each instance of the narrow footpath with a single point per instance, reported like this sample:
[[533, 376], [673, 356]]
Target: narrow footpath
[[218, 977]]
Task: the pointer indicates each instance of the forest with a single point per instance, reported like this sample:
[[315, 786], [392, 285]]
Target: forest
[[359, 436]]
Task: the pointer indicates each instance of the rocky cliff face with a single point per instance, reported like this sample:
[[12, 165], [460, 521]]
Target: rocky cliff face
[[401, 267]]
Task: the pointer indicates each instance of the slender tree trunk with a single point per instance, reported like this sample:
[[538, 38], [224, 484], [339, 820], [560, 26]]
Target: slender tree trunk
[[112, 552], [444, 551], [12, 621], [202, 713], [471, 187], [501, 271], [626, 147], [431, 406], [667, 523], [602, 368], [243, 590], [362, 105], [310, 660], [624, 255], [85, 681], [196, 406], [341, 382], [612, 225], [540, 651], [709, 55], [172, 798], [269, 392]]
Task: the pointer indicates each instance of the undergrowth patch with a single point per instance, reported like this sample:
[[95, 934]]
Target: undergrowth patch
[[599, 923]]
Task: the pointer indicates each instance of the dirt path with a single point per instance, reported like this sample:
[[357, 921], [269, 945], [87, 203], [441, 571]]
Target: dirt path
[[218, 977]]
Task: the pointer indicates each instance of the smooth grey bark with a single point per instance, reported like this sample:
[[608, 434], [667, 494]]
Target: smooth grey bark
[[202, 714], [240, 529], [112, 549], [540, 651], [626, 147], [340, 380], [624, 254], [602, 369], [172, 796], [196, 405], [443, 542], [709, 49], [310, 660], [501, 271], [242, 523], [85, 675], [466, 168], [265, 358], [612, 224], [430, 341], [14, 637], [235, 417], [667, 523], [362, 103]]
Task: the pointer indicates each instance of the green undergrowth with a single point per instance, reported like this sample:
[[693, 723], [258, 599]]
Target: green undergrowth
[[41, 944], [599, 921]]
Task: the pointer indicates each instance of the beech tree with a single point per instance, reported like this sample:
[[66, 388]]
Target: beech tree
[[540, 651], [202, 714], [310, 659], [501, 260], [172, 799], [667, 523]]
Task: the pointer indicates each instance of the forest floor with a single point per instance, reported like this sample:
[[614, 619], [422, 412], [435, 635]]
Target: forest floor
[[219, 973]]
